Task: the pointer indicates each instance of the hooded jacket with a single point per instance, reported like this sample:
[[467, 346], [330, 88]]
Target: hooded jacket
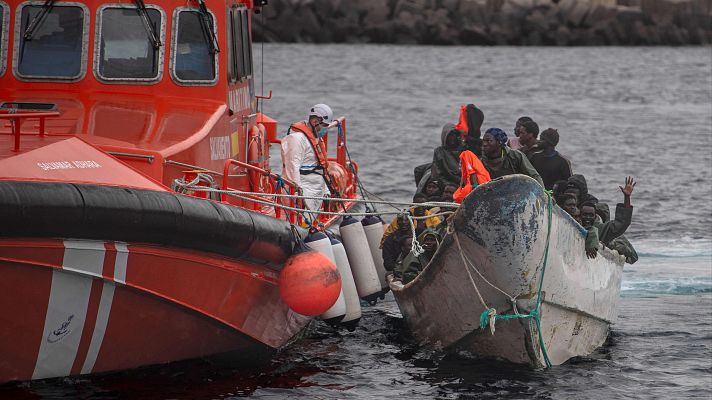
[[607, 231], [470, 123], [611, 234], [625, 248], [579, 182], [446, 161]]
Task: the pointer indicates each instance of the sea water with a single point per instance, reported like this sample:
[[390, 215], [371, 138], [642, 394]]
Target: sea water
[[644, 112]]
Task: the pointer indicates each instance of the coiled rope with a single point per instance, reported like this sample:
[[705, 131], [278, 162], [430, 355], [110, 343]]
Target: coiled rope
[[490, 316]]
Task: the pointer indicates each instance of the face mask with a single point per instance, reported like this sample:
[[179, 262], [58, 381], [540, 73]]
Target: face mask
[[322, 132]]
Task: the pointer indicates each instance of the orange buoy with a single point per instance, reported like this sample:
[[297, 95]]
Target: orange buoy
[[309, 283]]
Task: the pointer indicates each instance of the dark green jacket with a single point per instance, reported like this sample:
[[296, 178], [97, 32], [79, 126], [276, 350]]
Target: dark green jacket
[[515, 162], [446, 161], [409, 266], [607, 231], [412, 265], [625, 248]]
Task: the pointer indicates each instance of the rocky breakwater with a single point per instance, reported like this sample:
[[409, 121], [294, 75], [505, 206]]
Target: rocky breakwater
[[488, 22]]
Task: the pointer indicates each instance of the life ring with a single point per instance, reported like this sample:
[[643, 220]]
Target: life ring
[[256, 157]]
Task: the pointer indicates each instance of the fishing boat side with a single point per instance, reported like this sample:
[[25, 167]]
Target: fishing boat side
[[513, 262]]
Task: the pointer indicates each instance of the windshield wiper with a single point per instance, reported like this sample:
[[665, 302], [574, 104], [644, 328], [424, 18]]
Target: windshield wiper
[[150, 29], [38, 19], [208, 32]]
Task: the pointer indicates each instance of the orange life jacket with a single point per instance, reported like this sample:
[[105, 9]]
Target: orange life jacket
[[470, 164], [317, 145]]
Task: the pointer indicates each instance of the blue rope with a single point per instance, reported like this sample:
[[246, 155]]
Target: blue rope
[[279, 183], [535, 313]]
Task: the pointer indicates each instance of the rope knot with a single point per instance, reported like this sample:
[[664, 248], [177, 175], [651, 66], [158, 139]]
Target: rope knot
[[279, 183], [488, 317]]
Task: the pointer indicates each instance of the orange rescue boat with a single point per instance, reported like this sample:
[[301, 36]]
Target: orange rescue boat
[[113, 115]]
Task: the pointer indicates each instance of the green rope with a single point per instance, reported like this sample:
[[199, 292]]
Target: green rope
[[484, 318]]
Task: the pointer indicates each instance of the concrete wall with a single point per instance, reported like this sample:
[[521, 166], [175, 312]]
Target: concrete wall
[[489, 22]]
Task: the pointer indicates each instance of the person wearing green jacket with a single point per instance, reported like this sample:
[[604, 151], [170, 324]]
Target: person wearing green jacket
[[446, 158], [610, 232], [500, 160], [412, 265]]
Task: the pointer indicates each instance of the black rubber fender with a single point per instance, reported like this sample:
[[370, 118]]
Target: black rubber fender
[[85, 211]]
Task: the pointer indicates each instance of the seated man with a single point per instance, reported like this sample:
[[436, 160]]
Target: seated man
[[402, 221], [608, 231], [421, 211], [448, 191], [558, 192], [404, 247], [514, 143], [500, 160], [391, 242], [577, 184], [433, 191], [446, 161], [551, 165], [411, 265], [568, 204], [528, 134]]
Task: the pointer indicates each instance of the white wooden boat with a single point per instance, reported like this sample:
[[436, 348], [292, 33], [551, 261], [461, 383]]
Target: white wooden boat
[[502, 230]]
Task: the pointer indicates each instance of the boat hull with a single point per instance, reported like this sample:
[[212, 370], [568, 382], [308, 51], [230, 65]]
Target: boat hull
[[502, 230], [84, 306]]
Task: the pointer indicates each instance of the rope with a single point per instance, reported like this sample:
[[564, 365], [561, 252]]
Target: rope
[[490, 316], [415, 247], [390, 203], [301, 210], [429, 204]]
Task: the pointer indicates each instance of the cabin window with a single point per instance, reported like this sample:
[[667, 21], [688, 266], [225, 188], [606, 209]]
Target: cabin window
[[241, 48], [247, 47], [231, 72], [50, 41], [195, 48], [4, 22], [129, 44]]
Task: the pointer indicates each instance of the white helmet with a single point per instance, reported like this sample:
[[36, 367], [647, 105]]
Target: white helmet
[[322, 111]]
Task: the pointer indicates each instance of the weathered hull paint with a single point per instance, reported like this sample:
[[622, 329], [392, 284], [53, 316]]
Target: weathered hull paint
[[502, 228]]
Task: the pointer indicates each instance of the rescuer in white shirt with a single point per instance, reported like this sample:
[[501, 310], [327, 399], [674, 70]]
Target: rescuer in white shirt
[[304, 157]]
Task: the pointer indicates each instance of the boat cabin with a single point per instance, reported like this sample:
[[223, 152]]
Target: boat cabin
[[167, 87]]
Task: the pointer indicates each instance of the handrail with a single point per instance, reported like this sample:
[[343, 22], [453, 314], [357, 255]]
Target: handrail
[[16, 122], [291, 186]]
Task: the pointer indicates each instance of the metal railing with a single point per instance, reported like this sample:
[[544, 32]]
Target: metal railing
[[17, 118], [274, 182]]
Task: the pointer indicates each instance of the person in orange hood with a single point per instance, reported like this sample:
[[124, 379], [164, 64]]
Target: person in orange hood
[[473, 174]]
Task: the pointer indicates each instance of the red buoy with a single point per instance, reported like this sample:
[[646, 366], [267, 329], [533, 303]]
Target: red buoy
[[309, 283]]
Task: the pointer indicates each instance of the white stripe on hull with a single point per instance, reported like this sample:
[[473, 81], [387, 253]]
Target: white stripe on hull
[[68, 304], [122, 258], [84, 256], [102, 319], [66, 313]]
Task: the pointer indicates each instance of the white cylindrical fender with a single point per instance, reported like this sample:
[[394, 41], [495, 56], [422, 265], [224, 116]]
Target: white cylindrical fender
[[348, 286], [368, 283], [320, 242], [373, 226]]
